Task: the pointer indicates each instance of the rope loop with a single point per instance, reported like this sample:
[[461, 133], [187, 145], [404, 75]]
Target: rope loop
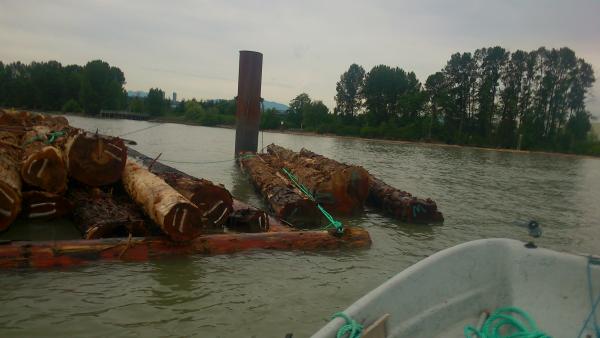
[[352, 328]]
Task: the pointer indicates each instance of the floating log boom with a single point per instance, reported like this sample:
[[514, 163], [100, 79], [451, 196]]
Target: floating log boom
[[177, 217], [95, 159], [402, 205], [340, 188], [287, 202]]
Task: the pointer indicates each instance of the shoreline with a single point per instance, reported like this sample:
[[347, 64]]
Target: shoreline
[[420, 143]]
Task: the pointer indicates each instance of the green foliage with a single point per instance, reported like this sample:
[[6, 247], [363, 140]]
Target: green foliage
[[270, 119], [155, 103], [71, 106], [349, 98]]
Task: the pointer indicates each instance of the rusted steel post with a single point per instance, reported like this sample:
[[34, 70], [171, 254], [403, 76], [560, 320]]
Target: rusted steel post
[[248, 102]]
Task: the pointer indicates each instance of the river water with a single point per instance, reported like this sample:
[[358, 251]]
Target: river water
[[482, 194]]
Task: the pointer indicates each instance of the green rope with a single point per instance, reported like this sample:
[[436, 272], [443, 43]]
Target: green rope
[[502, 319], [352, 328], [49, 139], [332, 222]]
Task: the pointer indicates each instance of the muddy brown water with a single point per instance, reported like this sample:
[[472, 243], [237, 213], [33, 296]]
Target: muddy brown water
[[482, 194]]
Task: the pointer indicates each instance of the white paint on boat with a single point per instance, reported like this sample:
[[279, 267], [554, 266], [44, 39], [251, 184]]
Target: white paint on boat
[[440, 295]]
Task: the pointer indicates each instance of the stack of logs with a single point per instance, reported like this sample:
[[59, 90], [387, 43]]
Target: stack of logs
[[50, 169], [340, 188]]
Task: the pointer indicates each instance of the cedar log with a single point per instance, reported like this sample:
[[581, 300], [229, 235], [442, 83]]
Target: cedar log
[[340, 188], [10, 181], [42, 166], [99, 215], [46, 205], [287, 202], [71, 253], [402, 205], [95, 159], [175, 215], [213, 200]]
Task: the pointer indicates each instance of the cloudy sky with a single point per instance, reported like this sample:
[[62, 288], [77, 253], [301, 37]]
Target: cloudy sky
[[191, 47]]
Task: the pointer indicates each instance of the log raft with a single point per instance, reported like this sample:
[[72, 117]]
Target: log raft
[[402, 205], [286, 201], [342, 189], [10, 180]]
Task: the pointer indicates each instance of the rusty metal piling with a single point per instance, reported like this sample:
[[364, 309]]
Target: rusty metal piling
[[248, 102]]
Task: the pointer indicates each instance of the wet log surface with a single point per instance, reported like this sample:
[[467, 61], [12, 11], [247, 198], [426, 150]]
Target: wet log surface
[[214, 201], [402, 205], [286, 201], [70, 253], [340, 188], [249, 220], [94, 159], [174, 214], [99, 214], [45, 205]]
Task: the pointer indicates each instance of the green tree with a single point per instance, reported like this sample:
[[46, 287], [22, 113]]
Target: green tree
[[296, 110], [349, 92], [101, 87], [155, 103]]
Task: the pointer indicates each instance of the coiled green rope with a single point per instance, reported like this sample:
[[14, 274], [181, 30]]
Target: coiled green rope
[[523, 327], [352, 328], [332, 222]]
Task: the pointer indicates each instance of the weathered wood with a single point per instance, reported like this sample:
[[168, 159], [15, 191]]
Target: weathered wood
[[287, 202], [339, 187], [175, 215], [71, 253], [45, 205], [95, 159], [248, 220], [99, 215], [42, 166], [10, 180], [402, 205], [214, 201]]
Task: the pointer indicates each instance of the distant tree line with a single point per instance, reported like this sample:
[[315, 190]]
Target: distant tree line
[[52, 86], [492, 97]]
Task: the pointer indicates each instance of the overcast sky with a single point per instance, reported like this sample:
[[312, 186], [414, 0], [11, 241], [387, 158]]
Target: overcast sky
[[191, 47]]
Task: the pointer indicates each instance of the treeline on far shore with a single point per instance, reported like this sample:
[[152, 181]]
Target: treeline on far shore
[[491, 98]]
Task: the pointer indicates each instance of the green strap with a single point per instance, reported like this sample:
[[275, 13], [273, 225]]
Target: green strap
[[332, 222], [523, 327], [50, 137], [352, 327]]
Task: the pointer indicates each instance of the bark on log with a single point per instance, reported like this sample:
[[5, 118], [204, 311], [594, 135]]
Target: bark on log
[[99, 215], [214, 201], [45, 205], [340, 188], [70, 253], [287, 202], [175, 215], [42, 166], [95, 159], [402, 205], [249, 220], [10, 181]]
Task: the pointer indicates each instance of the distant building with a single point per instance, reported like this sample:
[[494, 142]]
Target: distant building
[[174, 97], [174, 100]]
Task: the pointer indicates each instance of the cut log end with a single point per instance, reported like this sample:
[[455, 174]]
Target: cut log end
[[45, 205], [10, 205], [45, 169], [181, 222], [249, 220], [94, 159]]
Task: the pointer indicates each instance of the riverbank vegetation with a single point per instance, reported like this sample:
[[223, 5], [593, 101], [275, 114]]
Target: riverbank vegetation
[[491, 98]]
